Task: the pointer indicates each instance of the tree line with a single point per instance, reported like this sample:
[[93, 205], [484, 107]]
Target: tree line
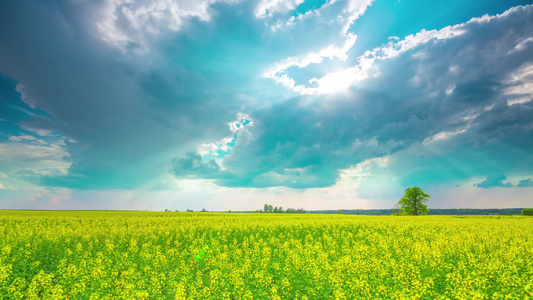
[[433, 211], [267, 208]]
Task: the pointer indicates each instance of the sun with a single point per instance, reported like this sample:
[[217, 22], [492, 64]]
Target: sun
[[336, 82]]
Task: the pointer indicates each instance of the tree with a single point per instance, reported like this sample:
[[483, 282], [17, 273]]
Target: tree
[[276, 210], [527, 212], [414, 201], [268, 208]]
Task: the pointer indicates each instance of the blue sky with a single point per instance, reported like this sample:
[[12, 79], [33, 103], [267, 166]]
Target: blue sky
[[161, 104]]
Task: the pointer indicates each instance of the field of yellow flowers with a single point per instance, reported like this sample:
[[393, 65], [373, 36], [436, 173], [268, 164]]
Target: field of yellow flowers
[[174, 255]]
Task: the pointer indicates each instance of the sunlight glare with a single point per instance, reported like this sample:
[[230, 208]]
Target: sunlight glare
[[336, 82]]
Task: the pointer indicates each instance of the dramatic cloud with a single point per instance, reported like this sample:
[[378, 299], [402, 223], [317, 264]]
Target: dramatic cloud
[[447, 99], [123, 118], [310, 99]]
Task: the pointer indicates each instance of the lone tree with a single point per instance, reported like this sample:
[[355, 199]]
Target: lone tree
[[414, 201], [527, 212]]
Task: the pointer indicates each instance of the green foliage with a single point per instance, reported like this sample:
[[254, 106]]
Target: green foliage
[[414, 201], [295, 211], [527, 212], [398, 214], [277, 210], [268, 208]]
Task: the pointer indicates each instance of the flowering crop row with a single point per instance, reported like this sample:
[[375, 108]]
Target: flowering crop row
[[148, 255]]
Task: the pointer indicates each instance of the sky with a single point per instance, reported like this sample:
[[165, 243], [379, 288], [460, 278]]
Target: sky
[[230, 104]]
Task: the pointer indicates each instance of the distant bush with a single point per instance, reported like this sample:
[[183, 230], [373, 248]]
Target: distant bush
[[527, 212], [398, 214]]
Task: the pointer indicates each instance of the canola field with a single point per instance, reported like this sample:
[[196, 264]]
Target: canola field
[[177, 255]]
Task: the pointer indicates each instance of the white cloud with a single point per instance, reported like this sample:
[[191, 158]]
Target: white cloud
[[267, 8], [520, 85], [122, 22], [241, 121], [330, 52], [363, 169], [355, 9], [340, 80], [450, 89], [28, 156], [337, 81], [38, 131], [21, 138], [521, 45], [486, 18], [211, 149], [279, 72], [294, 19], [443, 136], [20, 88], [351, 12]]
